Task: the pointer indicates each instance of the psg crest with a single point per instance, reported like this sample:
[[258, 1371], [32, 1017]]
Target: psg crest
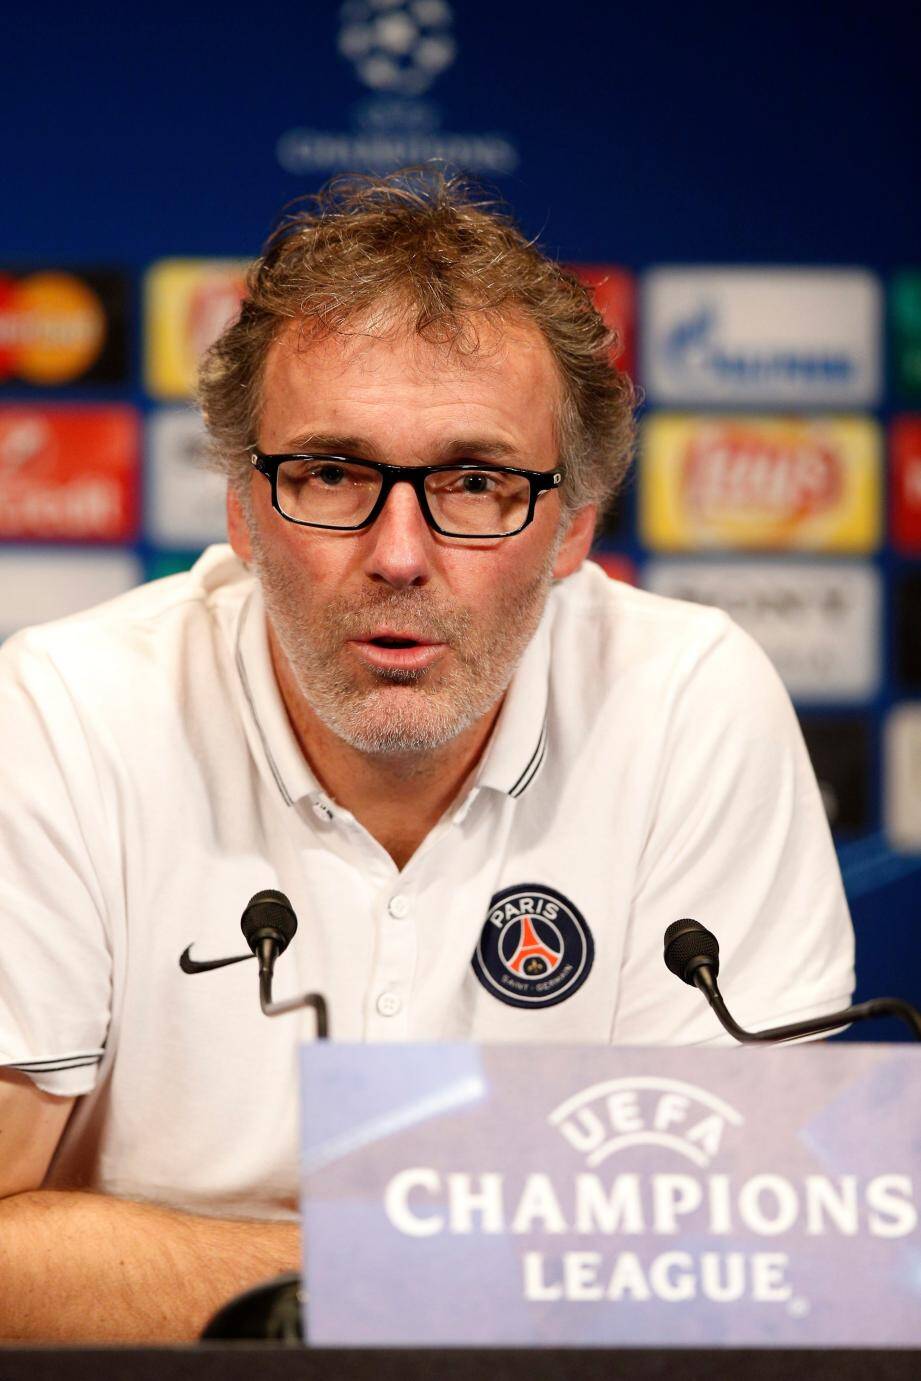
[[535, 949]]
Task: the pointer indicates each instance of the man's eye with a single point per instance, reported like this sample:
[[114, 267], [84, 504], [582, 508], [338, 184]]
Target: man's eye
[[468, 482], [326, 475], [479, 483]]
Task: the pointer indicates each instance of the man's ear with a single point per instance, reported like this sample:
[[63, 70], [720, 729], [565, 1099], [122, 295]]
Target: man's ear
[[237, 526], [577, 543]]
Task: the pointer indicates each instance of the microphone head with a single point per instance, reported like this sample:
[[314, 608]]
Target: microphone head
[[688, 947], [269, 915]]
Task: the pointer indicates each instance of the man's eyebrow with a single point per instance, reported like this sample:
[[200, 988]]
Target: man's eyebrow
[[462, 448], [331, 444], [479, 448]]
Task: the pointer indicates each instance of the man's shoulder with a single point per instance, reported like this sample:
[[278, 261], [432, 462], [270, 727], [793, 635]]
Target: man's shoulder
[[654, 654], [625, 624], [145, 626]]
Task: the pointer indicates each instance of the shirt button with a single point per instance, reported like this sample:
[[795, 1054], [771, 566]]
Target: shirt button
[[398, 906], [388, 1004], [321, 809]]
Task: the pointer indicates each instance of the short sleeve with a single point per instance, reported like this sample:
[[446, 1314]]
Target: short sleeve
[[740, 842], [55, 961]]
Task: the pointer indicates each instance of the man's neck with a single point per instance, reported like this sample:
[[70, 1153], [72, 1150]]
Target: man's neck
[[397, 797]]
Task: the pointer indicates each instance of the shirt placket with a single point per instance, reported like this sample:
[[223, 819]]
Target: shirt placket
[[388, 1007], [387, 1001]]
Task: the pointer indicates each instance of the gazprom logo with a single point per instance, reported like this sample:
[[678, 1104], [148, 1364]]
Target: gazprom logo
[[644, 1110], [694, 346], [762, 336]]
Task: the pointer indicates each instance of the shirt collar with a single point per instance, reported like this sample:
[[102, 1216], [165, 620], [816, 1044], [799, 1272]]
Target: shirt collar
[[283, 753], [516, 750]]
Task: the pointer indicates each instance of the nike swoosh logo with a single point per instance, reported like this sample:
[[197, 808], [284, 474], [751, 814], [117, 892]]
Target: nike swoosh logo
[[189, 965]]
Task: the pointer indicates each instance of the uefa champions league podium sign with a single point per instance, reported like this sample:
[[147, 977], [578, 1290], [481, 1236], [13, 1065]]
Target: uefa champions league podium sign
[[460, 1195]]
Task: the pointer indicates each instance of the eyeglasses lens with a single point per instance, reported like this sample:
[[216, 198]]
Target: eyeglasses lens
[[478, 502], [336, 493]]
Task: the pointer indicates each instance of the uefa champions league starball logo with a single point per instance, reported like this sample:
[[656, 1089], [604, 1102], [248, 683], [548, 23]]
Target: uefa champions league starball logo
[[397, 47]]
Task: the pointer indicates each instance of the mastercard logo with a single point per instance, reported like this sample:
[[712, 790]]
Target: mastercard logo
[[52, 328]]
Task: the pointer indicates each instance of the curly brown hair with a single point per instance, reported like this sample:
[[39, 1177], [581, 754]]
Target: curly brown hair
[[442, 255]]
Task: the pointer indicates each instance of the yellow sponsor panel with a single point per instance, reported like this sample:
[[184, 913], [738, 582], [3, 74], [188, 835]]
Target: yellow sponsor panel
[[757, 483], [188, 302]]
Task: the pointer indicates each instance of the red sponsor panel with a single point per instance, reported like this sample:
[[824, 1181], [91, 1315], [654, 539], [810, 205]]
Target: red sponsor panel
[[69, 474], [7, 334], [905, 453], [615, 297], [615, 565]]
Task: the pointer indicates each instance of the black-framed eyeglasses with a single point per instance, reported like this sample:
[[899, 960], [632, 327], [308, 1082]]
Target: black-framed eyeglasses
[[343, 494]]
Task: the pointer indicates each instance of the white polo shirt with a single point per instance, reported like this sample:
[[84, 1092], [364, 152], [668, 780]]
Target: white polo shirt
[[646, 765]]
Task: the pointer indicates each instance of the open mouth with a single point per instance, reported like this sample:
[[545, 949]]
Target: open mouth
[[386, 651]]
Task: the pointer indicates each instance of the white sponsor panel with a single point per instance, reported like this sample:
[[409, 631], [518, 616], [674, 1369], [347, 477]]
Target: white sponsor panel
[[36, 586], [186, 502], [818, 623], [902, 791], [781, 337]]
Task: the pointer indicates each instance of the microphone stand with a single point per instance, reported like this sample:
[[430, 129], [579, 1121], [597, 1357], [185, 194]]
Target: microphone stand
[[692, 953], [705, 979], [266, 951]]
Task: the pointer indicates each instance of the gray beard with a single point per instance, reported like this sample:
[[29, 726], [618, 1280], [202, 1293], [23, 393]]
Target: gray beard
[[402, 714]]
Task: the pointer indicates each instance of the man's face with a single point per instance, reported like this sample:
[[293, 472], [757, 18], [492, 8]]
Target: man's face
[[337, 601]]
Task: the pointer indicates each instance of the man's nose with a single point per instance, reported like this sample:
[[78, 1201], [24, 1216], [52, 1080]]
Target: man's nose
[[400, 541]]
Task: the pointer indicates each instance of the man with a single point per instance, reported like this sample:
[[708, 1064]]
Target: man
[[487, 777]]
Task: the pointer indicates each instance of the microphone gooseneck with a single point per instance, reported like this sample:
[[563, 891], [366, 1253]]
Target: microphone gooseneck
[[269, 925], [691, 952]]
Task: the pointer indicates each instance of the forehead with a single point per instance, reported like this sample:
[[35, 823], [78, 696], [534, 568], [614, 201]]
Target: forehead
[[376, 372]]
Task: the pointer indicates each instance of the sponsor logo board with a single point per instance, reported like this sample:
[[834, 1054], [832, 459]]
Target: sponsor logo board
[[781, 337], [186, 506], [905, 456], [905, 318], [615, 524], [63, 326], [36, 586], [188, 302], [902, 780], [162, 563], [840, 747], [614, 295], [808, 484], [818, 623], [907, 620], [617, 566], [69, 473]]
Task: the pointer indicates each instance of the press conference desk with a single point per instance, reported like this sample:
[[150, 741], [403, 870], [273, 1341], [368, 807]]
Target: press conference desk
[[267, 1362]]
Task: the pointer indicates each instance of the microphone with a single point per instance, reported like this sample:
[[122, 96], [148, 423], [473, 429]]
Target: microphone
[[269, 925], [692, 953]]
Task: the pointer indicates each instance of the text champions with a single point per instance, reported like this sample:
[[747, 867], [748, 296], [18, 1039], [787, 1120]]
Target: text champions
[[422, 1202]]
